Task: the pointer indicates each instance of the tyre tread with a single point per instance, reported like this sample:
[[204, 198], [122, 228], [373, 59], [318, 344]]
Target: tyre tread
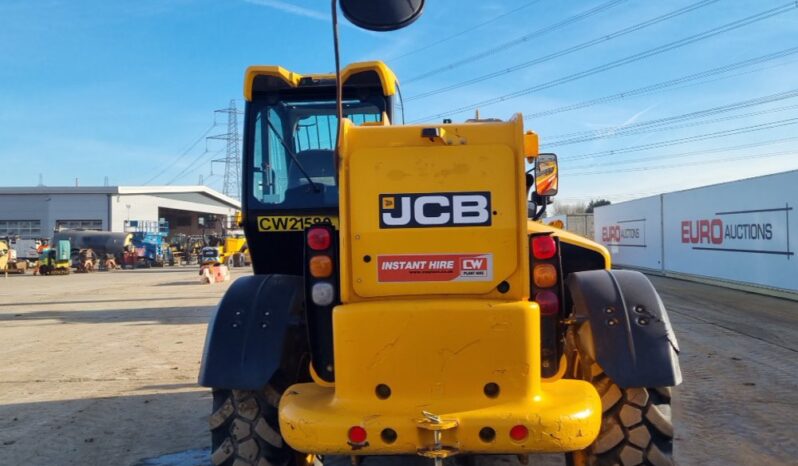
[[245, 430], [636, 424]]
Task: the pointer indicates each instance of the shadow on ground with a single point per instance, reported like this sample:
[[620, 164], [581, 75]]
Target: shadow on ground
[[92, 301], [117, 430], [153, 315]]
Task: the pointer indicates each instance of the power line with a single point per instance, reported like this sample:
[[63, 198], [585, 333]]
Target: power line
[[664, 85], [192, 167], [671, 186], [779, 96], [569, 50], [624, 61], [656, 129], [670, 123], [700, 137], [183, 154], [678, 155], [688, 164], [463, 32], [517, 41]]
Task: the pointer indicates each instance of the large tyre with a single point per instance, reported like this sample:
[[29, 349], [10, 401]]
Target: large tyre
[[636, 425], [245, 430]]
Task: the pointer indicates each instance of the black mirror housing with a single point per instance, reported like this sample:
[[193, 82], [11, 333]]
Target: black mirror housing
[[382, 15]]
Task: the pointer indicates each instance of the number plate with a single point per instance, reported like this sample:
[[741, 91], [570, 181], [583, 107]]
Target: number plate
[[293, 222]]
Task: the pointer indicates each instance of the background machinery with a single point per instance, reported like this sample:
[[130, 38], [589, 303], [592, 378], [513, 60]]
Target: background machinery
[[56, 259], [101, 242], [149, 241], [5, 253], [212, 268], [234, 251], [404, 304], [15, 255]]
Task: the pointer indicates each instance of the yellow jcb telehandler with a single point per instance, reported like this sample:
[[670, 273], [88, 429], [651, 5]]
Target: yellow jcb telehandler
[[403, 303]]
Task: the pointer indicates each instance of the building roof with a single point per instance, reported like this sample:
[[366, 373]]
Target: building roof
[[144, 190]]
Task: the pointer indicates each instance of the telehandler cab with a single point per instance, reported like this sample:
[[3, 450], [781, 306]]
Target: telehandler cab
[[404, 304]]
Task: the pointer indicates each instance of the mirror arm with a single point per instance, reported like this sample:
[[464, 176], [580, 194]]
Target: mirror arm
[[539, 213], [530, 181]]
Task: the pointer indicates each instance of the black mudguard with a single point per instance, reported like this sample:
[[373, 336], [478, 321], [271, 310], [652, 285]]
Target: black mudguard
[[629, 333], [246, 335]]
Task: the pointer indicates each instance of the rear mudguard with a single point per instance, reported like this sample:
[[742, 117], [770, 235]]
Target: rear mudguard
[[246, 336], [624, 326]]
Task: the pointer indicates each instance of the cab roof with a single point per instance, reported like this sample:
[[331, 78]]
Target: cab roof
[[264, 78]]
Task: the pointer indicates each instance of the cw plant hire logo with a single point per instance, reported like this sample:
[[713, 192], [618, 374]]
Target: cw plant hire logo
[[758, 231]]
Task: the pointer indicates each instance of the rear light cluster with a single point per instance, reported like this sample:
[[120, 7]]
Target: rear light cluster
[[320, 264], [322, 294], [547, 291]]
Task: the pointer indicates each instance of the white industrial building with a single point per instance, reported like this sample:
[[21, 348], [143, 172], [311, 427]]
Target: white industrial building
[[35, 212]]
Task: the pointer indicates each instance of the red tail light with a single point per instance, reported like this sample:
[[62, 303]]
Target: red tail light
[[519, 433], [319, 239], [357, 434], [548, 301], [543, 247]]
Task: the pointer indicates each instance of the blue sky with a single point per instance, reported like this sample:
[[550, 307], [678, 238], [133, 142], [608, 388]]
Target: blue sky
[[90, 89]]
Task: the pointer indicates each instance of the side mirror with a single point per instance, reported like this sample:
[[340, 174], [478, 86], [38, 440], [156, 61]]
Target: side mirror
[[546, 175], [382, 15]]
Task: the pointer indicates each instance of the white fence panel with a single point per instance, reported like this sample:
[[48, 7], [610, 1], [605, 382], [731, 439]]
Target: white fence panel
[[632, 231], [743, 231]]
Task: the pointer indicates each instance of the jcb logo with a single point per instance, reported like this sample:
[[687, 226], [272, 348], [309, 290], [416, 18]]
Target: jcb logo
[[435, 210]]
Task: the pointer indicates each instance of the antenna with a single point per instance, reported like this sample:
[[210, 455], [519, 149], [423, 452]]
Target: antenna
[[339, 86]]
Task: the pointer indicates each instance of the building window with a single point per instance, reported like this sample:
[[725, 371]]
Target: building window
[[96, 225], [184, 220], [27, 229]]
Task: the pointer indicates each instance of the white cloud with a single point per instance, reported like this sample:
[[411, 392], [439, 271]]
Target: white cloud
[[293, 9]]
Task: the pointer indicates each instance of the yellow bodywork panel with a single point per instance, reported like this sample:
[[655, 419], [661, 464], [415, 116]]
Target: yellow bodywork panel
[[280, 77], [437, 215], [386, 75], [437, 356]]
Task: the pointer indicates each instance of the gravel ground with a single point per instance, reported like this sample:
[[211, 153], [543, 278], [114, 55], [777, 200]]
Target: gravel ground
[[101, 369]]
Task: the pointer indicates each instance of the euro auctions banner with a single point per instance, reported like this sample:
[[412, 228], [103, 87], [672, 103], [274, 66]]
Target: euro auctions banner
[[632, 231], [744, 231]]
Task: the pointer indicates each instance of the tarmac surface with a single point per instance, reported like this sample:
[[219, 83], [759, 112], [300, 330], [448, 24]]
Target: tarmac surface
[[101, 369]]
